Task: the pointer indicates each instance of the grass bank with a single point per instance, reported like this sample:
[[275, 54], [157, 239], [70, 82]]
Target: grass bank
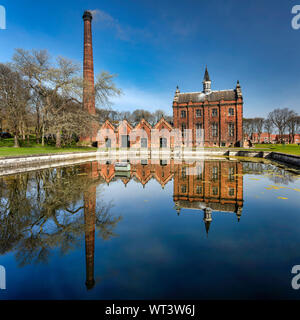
[[288, 148], [31, 148]]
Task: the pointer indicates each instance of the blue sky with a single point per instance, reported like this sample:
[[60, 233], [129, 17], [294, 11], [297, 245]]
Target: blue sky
[[155, 45]]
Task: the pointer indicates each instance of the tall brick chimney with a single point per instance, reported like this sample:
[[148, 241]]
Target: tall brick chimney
[[88, 65]]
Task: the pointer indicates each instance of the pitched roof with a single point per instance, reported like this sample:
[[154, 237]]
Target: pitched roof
[[109, 124], [143, 121], [165, 122], [226, 95], [124, 122]]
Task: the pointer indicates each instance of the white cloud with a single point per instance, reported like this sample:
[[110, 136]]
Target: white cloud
[[135, 98], [123, 32]]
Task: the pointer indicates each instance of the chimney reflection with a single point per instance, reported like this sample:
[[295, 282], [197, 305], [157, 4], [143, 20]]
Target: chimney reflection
[[89, 198]]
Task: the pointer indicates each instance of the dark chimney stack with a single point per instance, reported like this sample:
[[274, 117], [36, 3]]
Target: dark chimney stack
[[88, 65]]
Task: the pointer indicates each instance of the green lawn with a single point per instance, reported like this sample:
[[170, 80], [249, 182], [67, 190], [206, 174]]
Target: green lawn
[[28, 148], [288, 148], [7, 149]]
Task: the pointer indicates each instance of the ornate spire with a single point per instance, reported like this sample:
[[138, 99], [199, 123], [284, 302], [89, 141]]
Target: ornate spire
[[239, 213], [177, 92], [207, 219], [206, 82], [206, 75], [238, 90]]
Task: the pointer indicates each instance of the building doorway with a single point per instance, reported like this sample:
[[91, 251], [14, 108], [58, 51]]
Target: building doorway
[[108, 143], [163, 142], [144, 143], [125, 141]]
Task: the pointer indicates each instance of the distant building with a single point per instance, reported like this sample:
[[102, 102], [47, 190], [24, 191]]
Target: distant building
[[264, 137], [215, 118]]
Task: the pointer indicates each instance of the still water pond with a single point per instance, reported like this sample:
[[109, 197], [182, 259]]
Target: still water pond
[[213, 229]]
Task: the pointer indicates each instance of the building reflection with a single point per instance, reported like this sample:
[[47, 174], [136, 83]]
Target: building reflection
[[207, 186], [210, 186]]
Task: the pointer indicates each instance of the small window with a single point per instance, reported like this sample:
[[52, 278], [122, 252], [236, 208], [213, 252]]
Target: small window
[[214, 112], [183, 173], [231, 112], [231, 129], [183, 114], [144, 162], [215, 191], [199, 189], [198, 113], [199, 173], [183, 188], [231, 192], [231, 174], [223, 144], [214, 129], [198, 130], [214, 173]]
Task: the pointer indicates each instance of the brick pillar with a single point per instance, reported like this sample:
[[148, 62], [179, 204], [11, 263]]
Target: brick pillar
[[88, 65]]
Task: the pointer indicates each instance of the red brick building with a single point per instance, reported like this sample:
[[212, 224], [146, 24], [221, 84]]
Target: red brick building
[[265, 137], [210, 118]]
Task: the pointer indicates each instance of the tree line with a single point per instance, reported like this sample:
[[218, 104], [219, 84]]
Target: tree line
[[283, 121], [135, 116], [37, 91]]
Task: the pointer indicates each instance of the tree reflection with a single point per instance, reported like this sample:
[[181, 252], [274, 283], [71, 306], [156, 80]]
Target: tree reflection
[[50, 209], [276, 174]]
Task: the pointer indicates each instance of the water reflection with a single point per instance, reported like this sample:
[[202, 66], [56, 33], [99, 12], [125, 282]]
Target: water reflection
[[42, 210], [55, 208]]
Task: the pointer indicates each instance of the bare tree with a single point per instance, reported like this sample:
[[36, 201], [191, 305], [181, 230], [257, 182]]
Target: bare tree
[[258, 124], [140, 114], [14, 97], [158, 114], [293, 123], [279, 118], [248, 127], [68, 120], [268, 126], [48, 80]]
